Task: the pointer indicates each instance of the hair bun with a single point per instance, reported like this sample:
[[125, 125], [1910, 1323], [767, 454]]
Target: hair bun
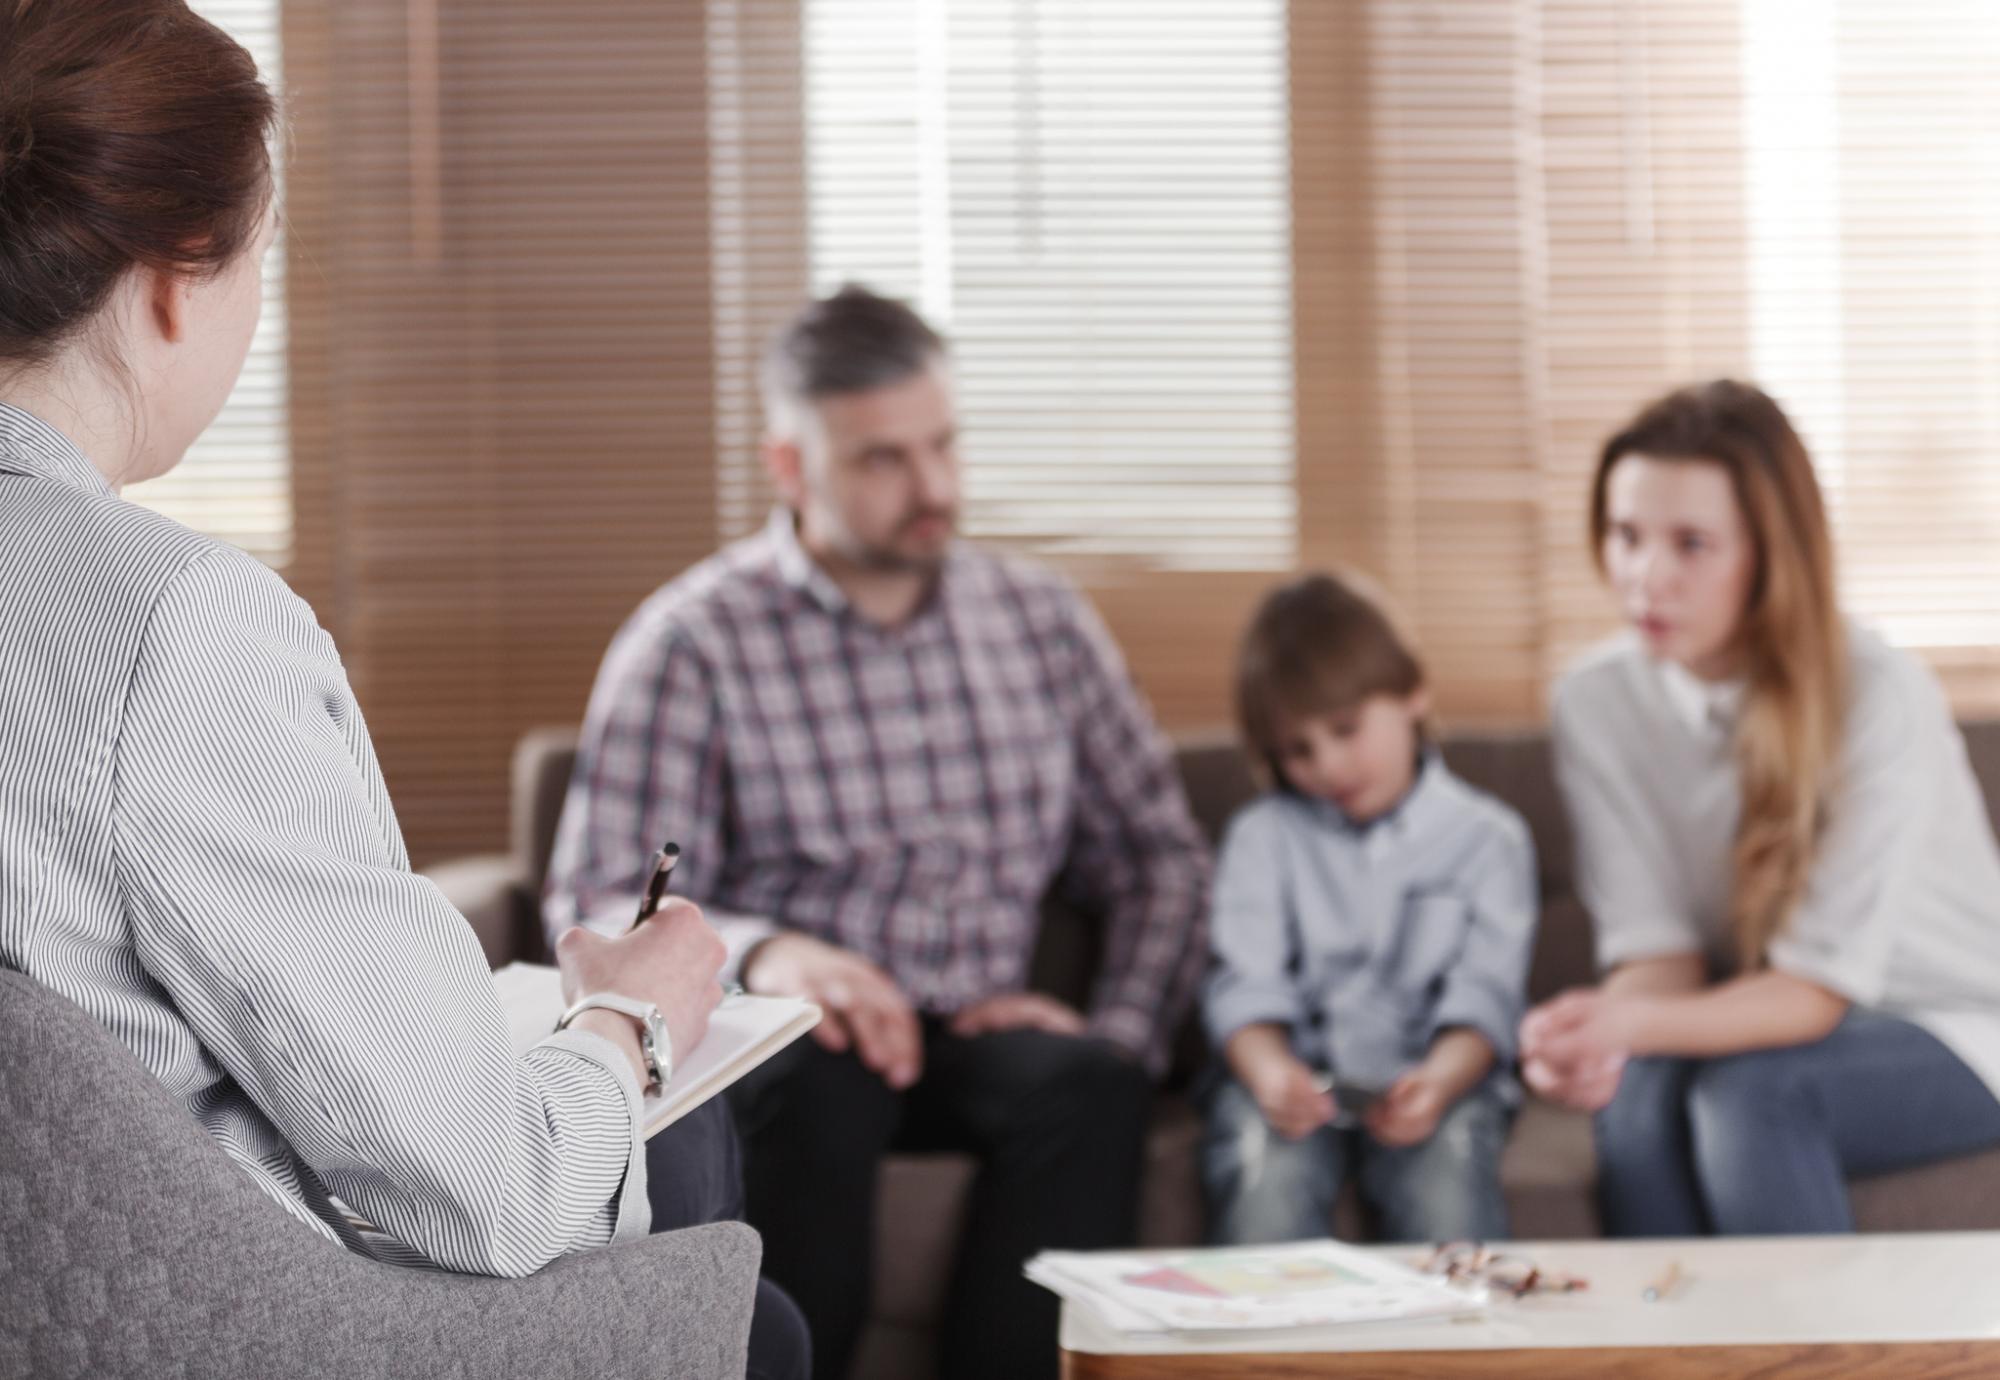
[[132, 132]]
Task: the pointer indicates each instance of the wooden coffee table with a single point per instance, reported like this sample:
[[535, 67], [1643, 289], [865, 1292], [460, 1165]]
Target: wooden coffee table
[[1914, 1307]]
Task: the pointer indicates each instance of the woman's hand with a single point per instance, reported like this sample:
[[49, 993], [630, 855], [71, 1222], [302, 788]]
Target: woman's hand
[[1574, 1047], [670, 959]]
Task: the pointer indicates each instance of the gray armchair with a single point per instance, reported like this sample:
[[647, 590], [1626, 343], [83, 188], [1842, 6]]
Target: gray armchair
[[130, 1245]]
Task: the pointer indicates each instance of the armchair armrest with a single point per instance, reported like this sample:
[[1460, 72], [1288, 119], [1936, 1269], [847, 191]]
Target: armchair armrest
[[491, 891], [675, 1304]]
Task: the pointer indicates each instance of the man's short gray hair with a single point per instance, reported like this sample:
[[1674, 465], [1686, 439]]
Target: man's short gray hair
[[852, 342]]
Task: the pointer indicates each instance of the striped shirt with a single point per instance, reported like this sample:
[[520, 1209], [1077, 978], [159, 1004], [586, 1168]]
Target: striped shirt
[[908, 793], [196, 848], [1367, 942]]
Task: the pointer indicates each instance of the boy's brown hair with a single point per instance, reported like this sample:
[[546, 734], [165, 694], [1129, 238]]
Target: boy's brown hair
[[1320, 644]]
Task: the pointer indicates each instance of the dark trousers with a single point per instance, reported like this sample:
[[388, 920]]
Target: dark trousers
[[694, 1174], [1057, 1124]]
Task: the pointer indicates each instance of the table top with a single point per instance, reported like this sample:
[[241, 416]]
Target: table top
[[1867, 1290]]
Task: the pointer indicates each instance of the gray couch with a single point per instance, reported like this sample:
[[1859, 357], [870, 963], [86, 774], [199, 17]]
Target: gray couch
[[1548, 1170], [131, 1246]]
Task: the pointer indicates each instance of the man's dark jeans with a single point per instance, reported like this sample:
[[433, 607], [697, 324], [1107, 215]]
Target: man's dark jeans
[[1057, 1123], [694, 1175]]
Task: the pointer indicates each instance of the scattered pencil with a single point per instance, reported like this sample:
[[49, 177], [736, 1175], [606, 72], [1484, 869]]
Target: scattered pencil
[[1664, 1285]]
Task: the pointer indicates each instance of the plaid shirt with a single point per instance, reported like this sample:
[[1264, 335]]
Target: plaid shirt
[[909, 794]]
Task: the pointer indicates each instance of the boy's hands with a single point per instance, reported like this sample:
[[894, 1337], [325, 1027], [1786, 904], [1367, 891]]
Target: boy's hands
[[1286, 1090], [1291, 1098], [1408, 1113]]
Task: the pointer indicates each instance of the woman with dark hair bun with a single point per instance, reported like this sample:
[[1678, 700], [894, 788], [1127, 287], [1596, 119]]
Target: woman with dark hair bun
[[195, 842]]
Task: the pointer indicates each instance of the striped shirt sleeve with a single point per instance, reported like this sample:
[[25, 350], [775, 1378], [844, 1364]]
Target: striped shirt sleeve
[[270, 898]]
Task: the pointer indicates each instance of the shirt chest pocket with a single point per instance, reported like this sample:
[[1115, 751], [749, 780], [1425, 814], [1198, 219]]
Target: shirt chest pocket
[[1430, 934]]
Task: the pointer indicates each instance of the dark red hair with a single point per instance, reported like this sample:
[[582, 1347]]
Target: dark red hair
[[132, 133]]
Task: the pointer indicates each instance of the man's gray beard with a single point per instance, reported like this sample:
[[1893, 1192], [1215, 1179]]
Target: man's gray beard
[[884, 560], [880, 561]]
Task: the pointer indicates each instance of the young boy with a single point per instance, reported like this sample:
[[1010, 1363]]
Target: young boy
[[1372, 922]]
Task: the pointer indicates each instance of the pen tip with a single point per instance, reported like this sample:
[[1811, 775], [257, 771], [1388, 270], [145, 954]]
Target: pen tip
[[672, 850]]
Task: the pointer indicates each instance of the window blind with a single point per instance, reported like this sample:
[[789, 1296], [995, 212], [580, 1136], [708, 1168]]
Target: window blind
[[235, 482], [1234, 288], [1567, 207], [503, 361], [1091, 197]]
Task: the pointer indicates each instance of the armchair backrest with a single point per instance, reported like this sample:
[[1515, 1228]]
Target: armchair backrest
[[131, 1245]]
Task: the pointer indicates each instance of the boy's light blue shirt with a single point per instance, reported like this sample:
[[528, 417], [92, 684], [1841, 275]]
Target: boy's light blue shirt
[[1366, 941]]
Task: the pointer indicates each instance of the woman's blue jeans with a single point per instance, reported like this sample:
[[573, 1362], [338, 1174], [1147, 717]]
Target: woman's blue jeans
[[1764, 1143]]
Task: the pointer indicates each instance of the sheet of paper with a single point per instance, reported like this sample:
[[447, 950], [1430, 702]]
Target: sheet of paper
[[743, 1033], [1300, 1284]]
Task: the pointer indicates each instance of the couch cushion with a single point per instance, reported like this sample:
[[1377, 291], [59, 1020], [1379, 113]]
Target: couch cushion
[[1518, 768], [919, 1211], [1952, 1195], [1549, 1173], [1564, 954]]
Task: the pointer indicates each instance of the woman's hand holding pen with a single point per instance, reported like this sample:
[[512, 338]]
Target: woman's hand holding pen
[[864, 1009], [671, 959]]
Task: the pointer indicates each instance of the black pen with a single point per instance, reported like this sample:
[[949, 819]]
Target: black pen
[[656, 881], [656, 888]]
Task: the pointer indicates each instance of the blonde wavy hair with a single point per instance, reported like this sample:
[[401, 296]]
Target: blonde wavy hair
[[1791, 636]]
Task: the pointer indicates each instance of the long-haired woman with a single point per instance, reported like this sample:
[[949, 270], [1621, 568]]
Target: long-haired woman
[[1783, 850]]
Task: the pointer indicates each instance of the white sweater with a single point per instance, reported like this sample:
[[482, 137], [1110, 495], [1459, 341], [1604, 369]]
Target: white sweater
[[1902, 905]]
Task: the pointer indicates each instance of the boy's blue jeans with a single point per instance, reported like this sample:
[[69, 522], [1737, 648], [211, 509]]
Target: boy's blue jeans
[[1764, 1143], [1264, 1188]]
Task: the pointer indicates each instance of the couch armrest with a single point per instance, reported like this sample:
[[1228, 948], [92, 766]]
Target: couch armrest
[[491, 892]]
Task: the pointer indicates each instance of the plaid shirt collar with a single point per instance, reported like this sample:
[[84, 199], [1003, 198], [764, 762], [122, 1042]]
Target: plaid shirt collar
[[797, 569], [28, 445]]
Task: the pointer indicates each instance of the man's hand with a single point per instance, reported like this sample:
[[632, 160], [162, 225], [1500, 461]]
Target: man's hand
[[670, 959], [1018, 1011], [865, 1011], [1574, 1047], [1408, 1113]]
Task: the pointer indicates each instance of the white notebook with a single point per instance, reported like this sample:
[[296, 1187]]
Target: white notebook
[[743, 1033], [1248, 1288]]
